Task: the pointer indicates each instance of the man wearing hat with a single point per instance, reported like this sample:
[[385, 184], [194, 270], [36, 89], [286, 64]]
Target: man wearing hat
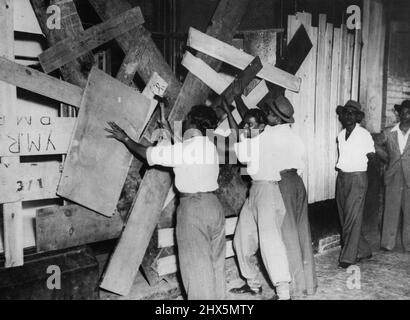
[[355, 146], [295, 227], [397, 179]]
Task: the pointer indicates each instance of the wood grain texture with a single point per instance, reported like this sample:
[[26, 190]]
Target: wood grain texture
[[38, 82], [12, 212], [231, 55], [96, 167], [71, 48], [29, 181], [69, 226]]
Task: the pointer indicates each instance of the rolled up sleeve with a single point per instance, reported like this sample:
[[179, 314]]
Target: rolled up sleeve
[[167, 156]]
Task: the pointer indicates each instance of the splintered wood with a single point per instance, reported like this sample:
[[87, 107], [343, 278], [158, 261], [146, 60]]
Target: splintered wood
[[96, 167]]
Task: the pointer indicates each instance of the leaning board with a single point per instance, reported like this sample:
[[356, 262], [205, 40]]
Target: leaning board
[[96, 167]]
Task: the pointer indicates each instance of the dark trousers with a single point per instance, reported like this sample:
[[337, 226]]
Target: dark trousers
[[296, 235], [351, 189], [200, 232], [397, 200]]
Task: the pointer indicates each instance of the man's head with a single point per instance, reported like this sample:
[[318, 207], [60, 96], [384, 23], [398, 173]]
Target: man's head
[[254, 122], [278, 111], [350, 114], [403, 111], [221, 113], [200, 118]]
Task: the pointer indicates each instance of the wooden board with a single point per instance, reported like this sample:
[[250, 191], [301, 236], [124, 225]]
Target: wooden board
[[38, 82], [123, 264], [29, 181], [69, 226], [169, 265], [12, 213], [96, 167], [36, 136], [229, 54], [72, 48]]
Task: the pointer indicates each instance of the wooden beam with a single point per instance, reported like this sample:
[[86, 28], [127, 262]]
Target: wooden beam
[[69, 226], [12, 212], [139, 48], [75, 72], [41, 136], [124, 262], [29, 181], [71, 48], [38, 82], [237, 58]]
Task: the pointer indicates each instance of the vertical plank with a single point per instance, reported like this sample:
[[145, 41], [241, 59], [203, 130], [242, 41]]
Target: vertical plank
[[349, 66], [334, 101], [12, 212], [356, 64]]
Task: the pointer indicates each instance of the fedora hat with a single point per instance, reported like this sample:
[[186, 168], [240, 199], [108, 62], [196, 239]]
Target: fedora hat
[[282, 107], [404, 104], [351, 104]]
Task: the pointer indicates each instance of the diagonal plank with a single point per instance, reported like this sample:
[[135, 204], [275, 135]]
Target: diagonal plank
[[237, 58], [76, 71], [39, 82], [123, 264], [71, 48]]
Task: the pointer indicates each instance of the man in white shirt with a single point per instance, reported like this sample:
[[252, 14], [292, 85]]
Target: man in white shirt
[[395, 150], [200, 229], [261, 217], [356, 146], [296, 227]]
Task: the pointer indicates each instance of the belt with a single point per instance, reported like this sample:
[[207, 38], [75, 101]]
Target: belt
[[350, 173], [186, 194]]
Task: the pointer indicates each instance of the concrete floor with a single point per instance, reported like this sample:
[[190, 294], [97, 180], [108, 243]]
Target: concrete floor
[[385, 276]]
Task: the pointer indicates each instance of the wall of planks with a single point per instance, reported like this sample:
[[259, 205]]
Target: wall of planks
[[330, 77]]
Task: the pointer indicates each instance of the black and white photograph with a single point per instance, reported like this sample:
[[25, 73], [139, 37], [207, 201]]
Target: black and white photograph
[[221, 152]]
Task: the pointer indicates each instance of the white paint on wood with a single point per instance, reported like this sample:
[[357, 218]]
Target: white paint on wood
[[237, 58], [24, 17]]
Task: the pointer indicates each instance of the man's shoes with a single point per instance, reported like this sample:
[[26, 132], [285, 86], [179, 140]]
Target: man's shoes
[[246, 289], [275, 297], [385, 249], [364, 258], [344, 265]]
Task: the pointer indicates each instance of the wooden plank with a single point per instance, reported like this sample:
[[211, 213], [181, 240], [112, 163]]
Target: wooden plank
[[91, 153], [69, 226], [356, 64], [229, 54], [29, 181], [36, 136], [77, 70], [168, 265], [12, 212], [123, 264], [72, 48], [38, 82], [166, 237]]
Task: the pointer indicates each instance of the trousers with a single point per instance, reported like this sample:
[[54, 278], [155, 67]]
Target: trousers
[[351, 189], [297, 236], [259, 226], [200, 232]]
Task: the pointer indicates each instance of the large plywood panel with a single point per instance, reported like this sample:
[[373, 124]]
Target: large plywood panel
[[96, 167]]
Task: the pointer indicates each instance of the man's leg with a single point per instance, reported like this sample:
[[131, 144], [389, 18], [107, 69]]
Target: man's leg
[[194, 250], [246, 244], [391, 218], [406, 219], [352, 227], [270, 214], [218, 247], [305, 238], [340, 201], [291, 235]]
